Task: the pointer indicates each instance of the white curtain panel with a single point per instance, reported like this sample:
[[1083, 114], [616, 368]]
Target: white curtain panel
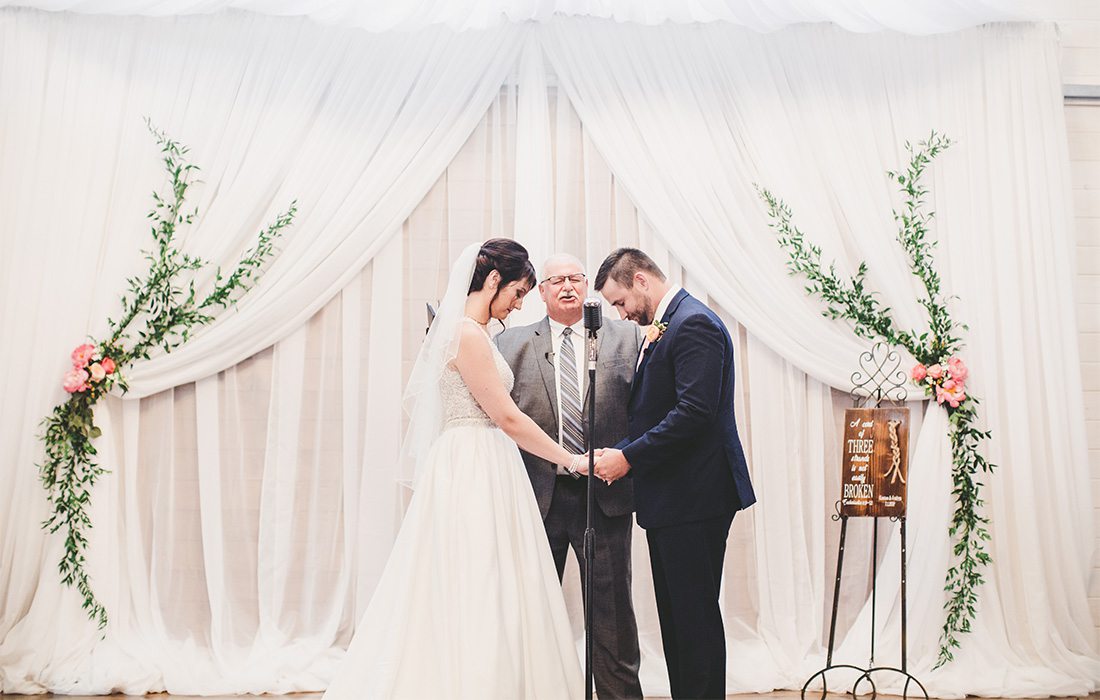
[[689, 118], [355, 126], [927, 17]]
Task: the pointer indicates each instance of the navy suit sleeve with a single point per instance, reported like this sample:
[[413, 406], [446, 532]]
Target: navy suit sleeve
[[698, 361]]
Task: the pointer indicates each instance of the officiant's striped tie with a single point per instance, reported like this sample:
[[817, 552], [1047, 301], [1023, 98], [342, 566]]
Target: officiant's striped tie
[[572, 428]]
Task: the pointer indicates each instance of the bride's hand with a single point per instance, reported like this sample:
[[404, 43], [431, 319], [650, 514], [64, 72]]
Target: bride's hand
[[580, 464]]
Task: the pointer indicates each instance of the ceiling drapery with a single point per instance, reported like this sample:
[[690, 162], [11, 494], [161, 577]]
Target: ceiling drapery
[[927, 17]]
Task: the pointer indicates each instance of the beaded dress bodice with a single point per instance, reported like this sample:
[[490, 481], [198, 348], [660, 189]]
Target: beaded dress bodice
[[459, 405]]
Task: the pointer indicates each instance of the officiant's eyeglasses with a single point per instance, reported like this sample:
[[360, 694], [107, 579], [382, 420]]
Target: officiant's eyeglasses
[[558, 280]]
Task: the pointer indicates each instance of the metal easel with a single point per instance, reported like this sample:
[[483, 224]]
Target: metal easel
[[878, 379]]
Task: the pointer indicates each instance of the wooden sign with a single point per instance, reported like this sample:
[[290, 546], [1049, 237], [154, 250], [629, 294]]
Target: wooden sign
[[876, 462]]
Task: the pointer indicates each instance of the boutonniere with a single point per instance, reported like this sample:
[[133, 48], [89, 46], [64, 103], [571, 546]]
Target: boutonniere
[[655, 332]]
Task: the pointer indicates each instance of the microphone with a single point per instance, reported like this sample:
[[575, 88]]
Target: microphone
[[593, 319], [593, 316]]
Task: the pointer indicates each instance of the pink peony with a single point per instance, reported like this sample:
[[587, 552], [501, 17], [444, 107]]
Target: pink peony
[[82, 354], [919, 372], [75, 380], [108, 365], [948, 384], [935, 372], [958, 370], [953, 397], [97, 372]]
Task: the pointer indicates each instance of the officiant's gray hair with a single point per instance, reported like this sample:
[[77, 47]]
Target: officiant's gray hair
[[561, 258], [621, 266]]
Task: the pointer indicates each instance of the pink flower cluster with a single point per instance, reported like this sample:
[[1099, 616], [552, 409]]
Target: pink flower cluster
[[946, 382], [85, 367]]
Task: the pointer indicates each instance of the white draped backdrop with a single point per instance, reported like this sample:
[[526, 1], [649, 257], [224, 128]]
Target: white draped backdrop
[[256, 481]]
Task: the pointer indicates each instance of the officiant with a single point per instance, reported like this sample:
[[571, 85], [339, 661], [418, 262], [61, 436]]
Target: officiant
[[548, 359]]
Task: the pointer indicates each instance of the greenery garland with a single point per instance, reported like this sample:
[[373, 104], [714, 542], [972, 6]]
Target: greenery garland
[[159, 310], [939, 371]]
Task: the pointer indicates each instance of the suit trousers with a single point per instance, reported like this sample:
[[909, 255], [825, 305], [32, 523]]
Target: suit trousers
[[615, 654], [687, 577]]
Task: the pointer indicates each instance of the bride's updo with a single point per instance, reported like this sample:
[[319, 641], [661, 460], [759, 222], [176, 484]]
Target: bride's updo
[[508, 258]]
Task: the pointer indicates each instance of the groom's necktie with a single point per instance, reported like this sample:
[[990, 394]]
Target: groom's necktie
[[572, 428]]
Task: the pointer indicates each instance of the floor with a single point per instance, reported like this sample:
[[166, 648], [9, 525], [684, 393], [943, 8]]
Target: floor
[[777, 695]]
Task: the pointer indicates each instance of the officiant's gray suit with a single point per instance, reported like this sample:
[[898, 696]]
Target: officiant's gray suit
[[562, 499]]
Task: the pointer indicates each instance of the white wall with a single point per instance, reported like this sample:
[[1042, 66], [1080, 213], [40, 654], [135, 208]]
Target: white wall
[[1083, 126], [1079, 25]]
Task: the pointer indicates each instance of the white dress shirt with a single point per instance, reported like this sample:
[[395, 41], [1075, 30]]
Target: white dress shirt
[[580, 353]]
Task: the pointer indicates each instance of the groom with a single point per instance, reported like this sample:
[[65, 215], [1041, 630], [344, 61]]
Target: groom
[[685, 457]]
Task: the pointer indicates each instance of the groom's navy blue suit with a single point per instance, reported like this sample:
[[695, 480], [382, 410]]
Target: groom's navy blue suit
[[690, 477]]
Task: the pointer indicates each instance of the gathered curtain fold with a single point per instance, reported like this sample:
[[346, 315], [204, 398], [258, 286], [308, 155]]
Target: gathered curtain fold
[[370, 137]]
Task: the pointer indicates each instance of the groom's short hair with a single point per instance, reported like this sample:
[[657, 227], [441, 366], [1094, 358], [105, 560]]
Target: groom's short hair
[[621, 266]]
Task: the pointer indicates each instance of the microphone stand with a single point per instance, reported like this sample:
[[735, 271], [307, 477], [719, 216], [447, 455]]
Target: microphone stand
[[593, 319]]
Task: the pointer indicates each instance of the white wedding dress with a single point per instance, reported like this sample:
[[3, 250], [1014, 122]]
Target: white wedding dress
[[469, 605]]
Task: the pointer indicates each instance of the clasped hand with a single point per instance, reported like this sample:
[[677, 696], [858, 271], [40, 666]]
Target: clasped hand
[[611, 464]]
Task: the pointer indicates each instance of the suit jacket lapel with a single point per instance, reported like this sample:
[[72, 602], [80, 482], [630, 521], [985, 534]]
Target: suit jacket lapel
[[544, 356], [641, 368], [673, 305]]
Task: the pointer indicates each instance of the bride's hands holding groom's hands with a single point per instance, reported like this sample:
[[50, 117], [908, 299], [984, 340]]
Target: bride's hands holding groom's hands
[[611, 464]]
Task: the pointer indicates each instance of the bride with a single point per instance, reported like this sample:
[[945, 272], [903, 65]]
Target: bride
[[469, 605]]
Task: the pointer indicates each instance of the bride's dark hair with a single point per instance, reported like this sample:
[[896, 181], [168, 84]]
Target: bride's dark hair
[[508, 258]]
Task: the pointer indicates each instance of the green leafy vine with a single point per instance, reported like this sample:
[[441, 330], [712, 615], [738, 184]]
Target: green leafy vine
[[160, 309], [939, 370]]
